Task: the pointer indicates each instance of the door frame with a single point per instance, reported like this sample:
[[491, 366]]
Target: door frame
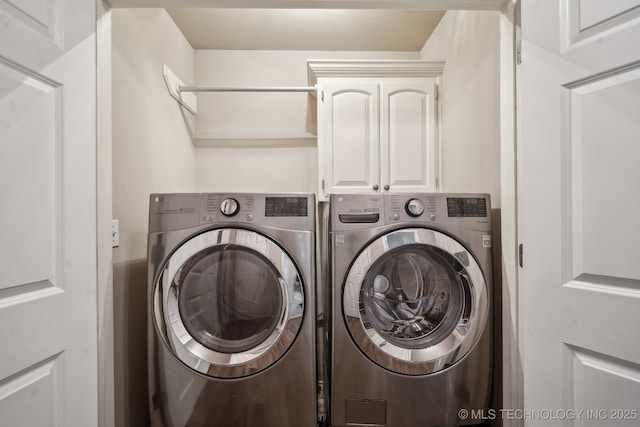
[[104, 215], [511, 384]]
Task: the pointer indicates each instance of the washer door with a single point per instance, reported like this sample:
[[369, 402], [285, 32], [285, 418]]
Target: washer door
[[415, 301], [229, 302]]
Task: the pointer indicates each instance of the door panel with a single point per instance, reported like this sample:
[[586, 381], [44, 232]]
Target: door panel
[[585, 19], [589, 373], [48, 366], [580, 121], [38, 387], [351, 141], [604, 121], [28, 98], [408, 134], [39, 25]]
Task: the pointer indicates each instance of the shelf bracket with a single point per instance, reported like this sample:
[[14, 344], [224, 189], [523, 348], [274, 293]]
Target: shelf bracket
[[187, 100]]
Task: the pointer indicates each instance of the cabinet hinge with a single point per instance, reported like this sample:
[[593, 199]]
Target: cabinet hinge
[[519, 52], [437, 94], [322, 184], [437, 183], [322, 95]]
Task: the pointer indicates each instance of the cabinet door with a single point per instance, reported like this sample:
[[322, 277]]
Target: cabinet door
[[348, 137], [408, 134]]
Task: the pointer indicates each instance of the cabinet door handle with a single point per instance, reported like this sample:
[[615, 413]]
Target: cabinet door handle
[[375, 187], [386, 188]]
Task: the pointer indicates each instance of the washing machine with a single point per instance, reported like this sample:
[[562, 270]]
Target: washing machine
[[411, 334], [231, 284]]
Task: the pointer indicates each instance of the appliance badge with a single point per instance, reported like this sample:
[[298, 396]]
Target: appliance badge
[[339, 239], [486, 240]]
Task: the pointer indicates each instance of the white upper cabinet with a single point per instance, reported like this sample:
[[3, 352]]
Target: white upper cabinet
[[348, 139], [377, 126], [408, 126]]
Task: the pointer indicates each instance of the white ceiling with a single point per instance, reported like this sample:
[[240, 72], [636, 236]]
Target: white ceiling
[[306, 29]]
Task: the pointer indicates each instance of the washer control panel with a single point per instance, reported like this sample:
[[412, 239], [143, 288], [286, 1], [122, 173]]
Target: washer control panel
[[467, 207], [464, 209]]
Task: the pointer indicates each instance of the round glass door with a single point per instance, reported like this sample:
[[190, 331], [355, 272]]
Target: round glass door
[[230, 298], [415, 301], [231, 301]]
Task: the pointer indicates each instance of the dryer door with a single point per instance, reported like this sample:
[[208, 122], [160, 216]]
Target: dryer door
[[415, 301], [229, 302]]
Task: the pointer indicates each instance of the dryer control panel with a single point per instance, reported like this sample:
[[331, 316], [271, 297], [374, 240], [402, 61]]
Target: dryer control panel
[[292, 211]]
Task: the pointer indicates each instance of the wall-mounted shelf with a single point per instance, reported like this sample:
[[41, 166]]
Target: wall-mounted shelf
[[183, 89], [261, 142], [185, 95], [250, 139]]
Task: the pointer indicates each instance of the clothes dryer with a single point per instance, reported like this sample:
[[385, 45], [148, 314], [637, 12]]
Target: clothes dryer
[[411, 332], [231, 284]]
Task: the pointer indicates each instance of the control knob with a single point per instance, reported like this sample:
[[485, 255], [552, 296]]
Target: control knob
[[229, 207], [414, 207]]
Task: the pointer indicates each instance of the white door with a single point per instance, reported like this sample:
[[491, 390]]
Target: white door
[[580, 211], [348, 136], [48, 336], [408, 134]]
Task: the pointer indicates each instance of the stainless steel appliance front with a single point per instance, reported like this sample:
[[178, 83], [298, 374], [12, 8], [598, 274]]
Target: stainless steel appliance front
[[411, 331], [231, 286]]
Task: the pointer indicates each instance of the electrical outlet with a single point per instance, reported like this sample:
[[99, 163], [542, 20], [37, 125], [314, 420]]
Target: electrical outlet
[[115, 233]]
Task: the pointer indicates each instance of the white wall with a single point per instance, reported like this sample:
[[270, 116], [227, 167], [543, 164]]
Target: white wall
[[260, 141], [469, 43], [152, 149], [152, 152]]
